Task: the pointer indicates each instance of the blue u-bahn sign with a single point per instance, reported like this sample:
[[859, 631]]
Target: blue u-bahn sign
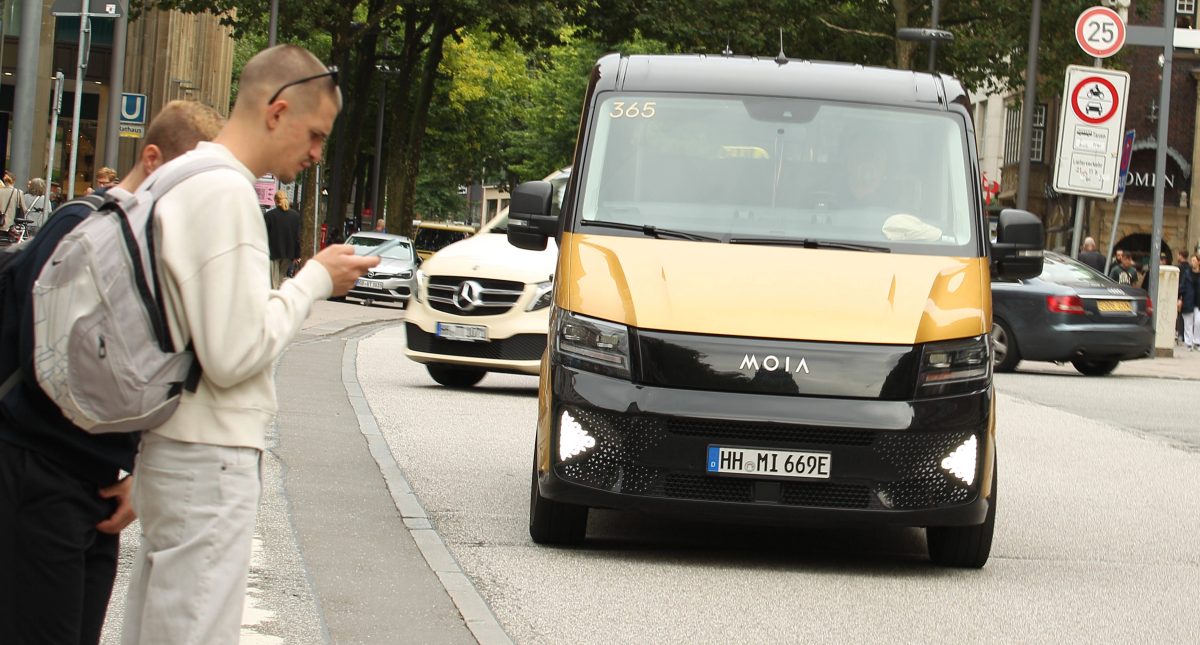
[[133, 109]]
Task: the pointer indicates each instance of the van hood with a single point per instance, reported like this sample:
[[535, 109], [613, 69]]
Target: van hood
[[489, 255], [774, 292]]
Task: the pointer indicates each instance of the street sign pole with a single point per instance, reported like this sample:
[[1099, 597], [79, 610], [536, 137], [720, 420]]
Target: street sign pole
[[1126, 154], [1160, 155], [84, 32], [55, 111]]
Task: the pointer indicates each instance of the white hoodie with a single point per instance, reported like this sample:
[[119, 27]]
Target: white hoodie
[[216, 284]]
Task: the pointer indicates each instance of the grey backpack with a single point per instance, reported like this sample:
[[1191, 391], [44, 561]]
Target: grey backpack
[[102, 351]]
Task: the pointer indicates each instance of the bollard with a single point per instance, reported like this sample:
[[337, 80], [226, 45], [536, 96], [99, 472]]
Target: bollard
[[1168, 309]]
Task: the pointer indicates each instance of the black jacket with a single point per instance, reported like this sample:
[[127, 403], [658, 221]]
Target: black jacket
[[28, 418], [283, 233], [1093, 259], [1189, 289]]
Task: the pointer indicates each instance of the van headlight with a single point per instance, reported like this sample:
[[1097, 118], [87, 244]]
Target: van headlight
[[950, 367], [542, 296], [590, 344], [421, 280]]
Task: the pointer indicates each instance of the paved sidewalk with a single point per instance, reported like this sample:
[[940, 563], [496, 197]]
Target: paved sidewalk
[[329, 317], [1183, 365]]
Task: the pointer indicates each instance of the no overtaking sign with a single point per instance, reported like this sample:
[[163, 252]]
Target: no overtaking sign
[[1090, 132]]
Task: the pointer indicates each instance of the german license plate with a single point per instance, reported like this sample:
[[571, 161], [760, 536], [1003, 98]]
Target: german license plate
[[1115, 306], [370, 284], [453, 331], [757, 462]]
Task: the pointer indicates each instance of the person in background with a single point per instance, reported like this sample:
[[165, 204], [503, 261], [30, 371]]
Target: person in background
[[1181, 263], [283, 237], [1122, 271], [12, 202], [1090, 256], [106, 178], [380, 226], [1189, 302], [37, 204]]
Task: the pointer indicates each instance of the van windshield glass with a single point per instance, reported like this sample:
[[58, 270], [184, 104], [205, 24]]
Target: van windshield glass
[[754, 168]]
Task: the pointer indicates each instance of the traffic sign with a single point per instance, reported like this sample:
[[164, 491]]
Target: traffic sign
[[133, 108], [1100, 32], [1091, 126]]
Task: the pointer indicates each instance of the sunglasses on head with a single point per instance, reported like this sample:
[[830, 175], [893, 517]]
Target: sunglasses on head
[[331, 72]]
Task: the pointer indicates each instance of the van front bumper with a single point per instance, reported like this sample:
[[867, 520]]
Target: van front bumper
[[651, 446]]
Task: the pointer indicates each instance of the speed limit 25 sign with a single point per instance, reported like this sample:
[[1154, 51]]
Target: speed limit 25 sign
[[1100, 32]]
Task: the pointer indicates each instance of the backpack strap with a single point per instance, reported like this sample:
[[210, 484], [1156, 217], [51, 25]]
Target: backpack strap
[[10, 382]]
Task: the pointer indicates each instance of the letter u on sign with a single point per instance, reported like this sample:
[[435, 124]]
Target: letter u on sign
[[133, 108]]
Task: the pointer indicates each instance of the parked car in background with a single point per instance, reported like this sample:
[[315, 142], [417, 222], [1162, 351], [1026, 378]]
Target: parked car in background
[[364, 241], [431, 237], [482, 305], [394, 279], [1073, 313]]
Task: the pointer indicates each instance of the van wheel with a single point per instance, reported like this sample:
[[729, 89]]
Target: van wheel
[[453, 376], [964, 546], [552, 522], [1095, 368], [1005, 354]]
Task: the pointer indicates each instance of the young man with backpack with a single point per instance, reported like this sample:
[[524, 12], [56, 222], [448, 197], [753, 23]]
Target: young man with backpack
[[62, 507], [197, 482]]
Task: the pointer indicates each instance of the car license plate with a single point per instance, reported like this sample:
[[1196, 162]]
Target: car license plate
[[1115, 306], [756, 462], [370, 284], [452, 331]]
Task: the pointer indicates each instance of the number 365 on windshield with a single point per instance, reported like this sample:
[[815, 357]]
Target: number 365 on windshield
[[632, 110]]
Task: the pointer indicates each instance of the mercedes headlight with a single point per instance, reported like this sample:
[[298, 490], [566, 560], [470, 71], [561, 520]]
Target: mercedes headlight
[[542, 296], [422, 279], [590, 344], [955, 366]]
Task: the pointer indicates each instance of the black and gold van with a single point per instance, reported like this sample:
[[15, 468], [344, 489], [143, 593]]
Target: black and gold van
[[772, 302]]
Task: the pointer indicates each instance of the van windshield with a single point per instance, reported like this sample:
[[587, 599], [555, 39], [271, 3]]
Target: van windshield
[[773, 170]]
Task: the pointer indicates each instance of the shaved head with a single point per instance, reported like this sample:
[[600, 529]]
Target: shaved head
[[272, 69]]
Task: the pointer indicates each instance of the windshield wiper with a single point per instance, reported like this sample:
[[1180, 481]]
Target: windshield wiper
[[650, 230], [809, 244]]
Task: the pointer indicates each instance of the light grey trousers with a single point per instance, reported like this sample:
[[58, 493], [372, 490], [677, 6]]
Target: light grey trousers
[[197, 505]]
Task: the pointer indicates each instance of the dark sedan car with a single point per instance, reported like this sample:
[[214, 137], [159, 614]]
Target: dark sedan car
[[1070, 312]]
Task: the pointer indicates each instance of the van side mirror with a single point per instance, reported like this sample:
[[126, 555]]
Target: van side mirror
[[530, 222], [1017, 252]]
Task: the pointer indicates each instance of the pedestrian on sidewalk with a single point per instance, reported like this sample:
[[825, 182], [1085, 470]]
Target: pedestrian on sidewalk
[[12, 202], [1122, 272], [1090, 256], [62, 506], [37, 205], [283, 237], [198, 475], [1189, 303]]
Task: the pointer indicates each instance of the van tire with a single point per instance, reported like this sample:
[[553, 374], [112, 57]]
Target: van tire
[[1095, 368], [455, 376], [964, 546], [552, 522], [1005, 361]]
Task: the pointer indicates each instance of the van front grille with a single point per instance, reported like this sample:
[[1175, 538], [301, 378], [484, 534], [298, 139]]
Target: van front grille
[[473, 296]]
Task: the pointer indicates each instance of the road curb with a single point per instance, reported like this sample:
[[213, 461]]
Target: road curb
[[470, 603]]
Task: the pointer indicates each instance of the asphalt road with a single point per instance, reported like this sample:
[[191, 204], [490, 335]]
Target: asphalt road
[[1095, 539]]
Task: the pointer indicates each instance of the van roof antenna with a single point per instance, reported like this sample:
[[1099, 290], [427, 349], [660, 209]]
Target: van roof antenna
[[782, 58], [727, 52]]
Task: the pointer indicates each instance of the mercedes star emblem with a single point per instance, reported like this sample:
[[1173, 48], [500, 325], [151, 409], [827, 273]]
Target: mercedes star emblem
[[469, 295]]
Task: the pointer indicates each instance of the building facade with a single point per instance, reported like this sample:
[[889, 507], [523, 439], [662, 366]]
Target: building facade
[[168, 55]]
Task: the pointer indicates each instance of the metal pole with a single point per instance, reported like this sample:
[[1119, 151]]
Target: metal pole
[[933, 24], [378, 160], [1160, 155], [116, 86], [1112, 237], [25, 99], [273, 26], [317, 210], [1027, 108], [1078, 227], [85, 26], [59, 80]]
